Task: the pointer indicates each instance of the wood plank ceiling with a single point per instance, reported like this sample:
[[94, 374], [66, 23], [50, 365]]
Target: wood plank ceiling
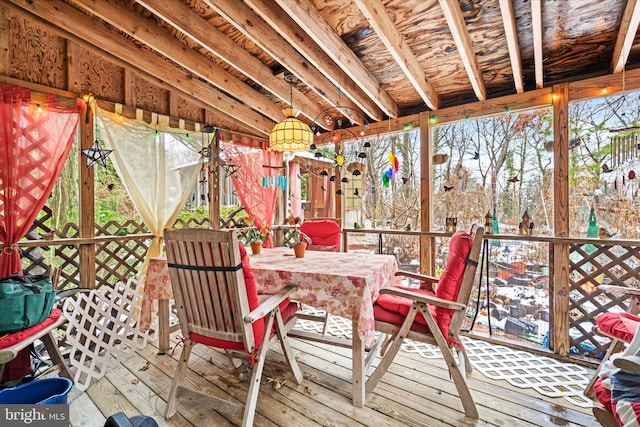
[[375, 58]]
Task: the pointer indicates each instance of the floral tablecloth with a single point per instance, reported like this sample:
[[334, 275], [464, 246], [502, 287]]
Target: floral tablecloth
[[156, 286], [343, 283]]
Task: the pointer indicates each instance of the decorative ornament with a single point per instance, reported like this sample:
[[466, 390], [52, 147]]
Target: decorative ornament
[[230, 169], [526, 225], [96, 154]]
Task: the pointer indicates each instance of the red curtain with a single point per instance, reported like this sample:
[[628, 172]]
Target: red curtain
[[34, 143], [257, 200]]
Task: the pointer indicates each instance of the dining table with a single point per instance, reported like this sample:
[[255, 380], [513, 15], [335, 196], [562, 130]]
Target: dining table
[[345, 284]]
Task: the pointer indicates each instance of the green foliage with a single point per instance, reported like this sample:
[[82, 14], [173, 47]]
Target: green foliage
[[199, 214], [298, 237], [251, 236]]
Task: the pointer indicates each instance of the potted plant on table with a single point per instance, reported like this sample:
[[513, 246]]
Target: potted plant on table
[[299, 242], [254, 238]]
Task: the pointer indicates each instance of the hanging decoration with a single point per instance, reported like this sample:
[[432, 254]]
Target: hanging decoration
[[290, 134], [388, 175], [339, 134], [230, 169], [279, 181], [95, 154], [624, 147], [204, 190]]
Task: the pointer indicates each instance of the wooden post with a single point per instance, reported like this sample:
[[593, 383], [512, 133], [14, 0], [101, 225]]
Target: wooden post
[[5, 52], [560, 252], [87, 189], [427, 244]]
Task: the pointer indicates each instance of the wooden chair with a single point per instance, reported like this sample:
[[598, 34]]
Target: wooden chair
[[325, 233], [619, 327], [431, 315], [625, 367], [218, 305]]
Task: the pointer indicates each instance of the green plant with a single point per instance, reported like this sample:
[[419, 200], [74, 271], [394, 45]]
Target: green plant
[[298, 237], [252, 236]]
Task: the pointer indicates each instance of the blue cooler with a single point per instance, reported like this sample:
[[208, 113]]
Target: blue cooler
[[49, 391]]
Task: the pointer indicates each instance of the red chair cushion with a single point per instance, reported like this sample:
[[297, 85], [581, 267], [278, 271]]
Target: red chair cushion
[[14, 338], [620, 325], [394, 309], [322, 233], [287, 308], [603, 394], [449, 283]]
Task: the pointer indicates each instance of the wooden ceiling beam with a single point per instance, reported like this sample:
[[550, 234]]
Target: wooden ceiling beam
[[92, 32], [626, 35], [263, 35], [511, 34], [536, 27], [305, 14], [159, 40], [458, 28], [375, 12], [219, 44]]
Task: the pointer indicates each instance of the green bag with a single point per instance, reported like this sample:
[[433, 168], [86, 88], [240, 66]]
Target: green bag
[[25, 301]]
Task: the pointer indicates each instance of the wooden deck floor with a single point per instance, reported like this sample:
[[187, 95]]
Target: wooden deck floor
[[416, 392]]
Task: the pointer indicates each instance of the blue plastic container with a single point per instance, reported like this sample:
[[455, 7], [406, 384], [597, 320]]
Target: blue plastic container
[[49, 391]]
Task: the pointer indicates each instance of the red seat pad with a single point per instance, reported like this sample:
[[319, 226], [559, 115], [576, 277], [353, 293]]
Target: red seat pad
[[15, 337], [603, 394], [324, 234], [287, 308], [393, 309], [620, 325]]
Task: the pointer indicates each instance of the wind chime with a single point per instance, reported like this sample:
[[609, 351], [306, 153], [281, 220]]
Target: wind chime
[[274, 180], [624, 148], [336, 136], [624, 155]]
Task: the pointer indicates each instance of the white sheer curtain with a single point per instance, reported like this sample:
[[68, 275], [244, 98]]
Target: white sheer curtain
[[158, 166]]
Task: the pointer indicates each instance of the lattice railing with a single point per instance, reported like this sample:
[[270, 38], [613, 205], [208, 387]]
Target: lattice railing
[[593, 265], [119, 261]]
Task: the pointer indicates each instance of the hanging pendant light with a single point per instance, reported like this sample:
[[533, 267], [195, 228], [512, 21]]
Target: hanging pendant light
[[290, 134]]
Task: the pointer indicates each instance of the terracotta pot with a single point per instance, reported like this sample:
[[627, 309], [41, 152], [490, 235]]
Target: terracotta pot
[[256, 247], [299, 249]]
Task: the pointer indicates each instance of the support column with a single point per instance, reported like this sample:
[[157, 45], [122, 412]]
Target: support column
[[87, 206], [427, 244], [559, 286]]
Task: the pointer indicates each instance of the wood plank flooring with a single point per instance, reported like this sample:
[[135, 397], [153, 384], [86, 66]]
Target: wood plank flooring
[[415, 392]]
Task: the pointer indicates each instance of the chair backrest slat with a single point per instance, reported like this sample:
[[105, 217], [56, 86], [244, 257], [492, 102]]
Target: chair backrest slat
[[209, 290], [468, 278]]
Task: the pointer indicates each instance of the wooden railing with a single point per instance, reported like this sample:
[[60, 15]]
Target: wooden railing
[[514, 261], [525, 265]]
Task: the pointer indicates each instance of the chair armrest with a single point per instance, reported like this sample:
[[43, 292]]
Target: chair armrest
[[608, 289], [267, 306], [421, 277], [426, 299]]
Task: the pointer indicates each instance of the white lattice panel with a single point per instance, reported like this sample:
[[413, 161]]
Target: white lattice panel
[[102, 329]]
